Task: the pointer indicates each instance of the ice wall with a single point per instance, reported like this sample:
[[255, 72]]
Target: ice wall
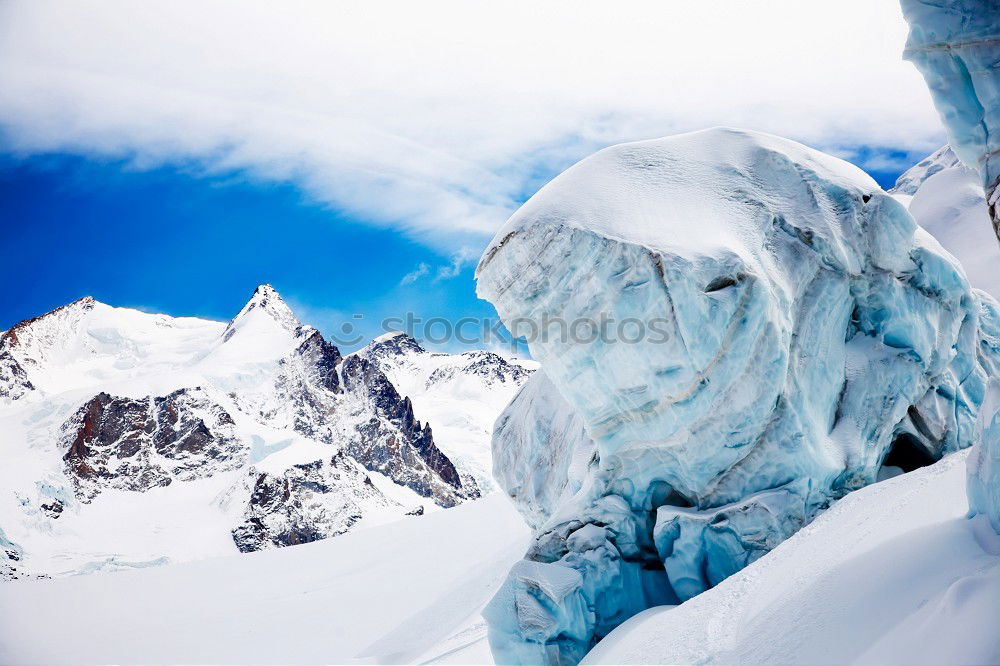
[[802, 338], [956, 46], [984, 461]]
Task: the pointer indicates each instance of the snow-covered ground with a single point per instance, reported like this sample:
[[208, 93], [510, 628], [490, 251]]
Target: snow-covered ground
[[410, 591], [892, 574]]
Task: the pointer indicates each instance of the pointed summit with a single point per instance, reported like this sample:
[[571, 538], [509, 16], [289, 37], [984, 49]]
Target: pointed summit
[[265, 310], [394, 343]]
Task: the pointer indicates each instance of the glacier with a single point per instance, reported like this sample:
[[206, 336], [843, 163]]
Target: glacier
[[956, 46], [810, 340]]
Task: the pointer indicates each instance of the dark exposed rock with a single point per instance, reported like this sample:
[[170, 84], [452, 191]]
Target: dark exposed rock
[[392, 345], [321, 360], [305, 503], [53, 509], [390, 440], [350, 403], [138, 444], [14, 381], [10, 559]]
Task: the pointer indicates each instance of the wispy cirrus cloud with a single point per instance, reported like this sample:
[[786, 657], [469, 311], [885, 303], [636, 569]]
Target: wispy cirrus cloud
[[420, 271], [438, 118]]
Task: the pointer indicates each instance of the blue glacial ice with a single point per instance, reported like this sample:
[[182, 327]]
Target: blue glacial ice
[[956, 46], [803, 338], [984, 460]]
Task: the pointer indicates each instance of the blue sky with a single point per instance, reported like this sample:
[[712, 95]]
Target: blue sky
[[163, 240]]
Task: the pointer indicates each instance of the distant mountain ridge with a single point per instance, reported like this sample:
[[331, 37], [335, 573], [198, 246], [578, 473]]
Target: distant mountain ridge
[[132, 439]]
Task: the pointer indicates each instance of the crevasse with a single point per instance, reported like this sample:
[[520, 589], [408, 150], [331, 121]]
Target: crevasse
[[802, 338]]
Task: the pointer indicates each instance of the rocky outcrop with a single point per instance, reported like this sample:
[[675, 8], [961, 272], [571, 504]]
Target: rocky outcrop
[[10, 559], [14, 382], [305, 503], [350, 403], [387, 438], [142, 443]]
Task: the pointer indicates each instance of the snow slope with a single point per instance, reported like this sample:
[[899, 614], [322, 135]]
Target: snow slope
[[406, 592], [892, 574], [946, 198]]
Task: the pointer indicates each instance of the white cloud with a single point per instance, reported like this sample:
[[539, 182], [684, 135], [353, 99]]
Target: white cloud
[[420, 271], [436, 116], [459, 260]]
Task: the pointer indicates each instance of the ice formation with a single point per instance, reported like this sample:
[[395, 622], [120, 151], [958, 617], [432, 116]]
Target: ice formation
[[984, 461], [956, 46], [804, 338]]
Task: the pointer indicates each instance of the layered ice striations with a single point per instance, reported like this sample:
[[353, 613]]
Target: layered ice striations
[[541, 450], [956, 46], [802, 338]]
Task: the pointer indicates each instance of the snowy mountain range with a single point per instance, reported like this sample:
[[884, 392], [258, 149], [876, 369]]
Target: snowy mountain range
[[134, 439]]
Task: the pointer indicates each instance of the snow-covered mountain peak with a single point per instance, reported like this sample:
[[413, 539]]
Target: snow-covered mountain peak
[[34, 332], [266, 309], [28, 345], [264, 331], [394, 343], [943, 158]]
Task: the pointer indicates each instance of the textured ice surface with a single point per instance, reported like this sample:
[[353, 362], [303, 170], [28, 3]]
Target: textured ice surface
[[541, 450], [816, 340], [984, 460], [956, 46]]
